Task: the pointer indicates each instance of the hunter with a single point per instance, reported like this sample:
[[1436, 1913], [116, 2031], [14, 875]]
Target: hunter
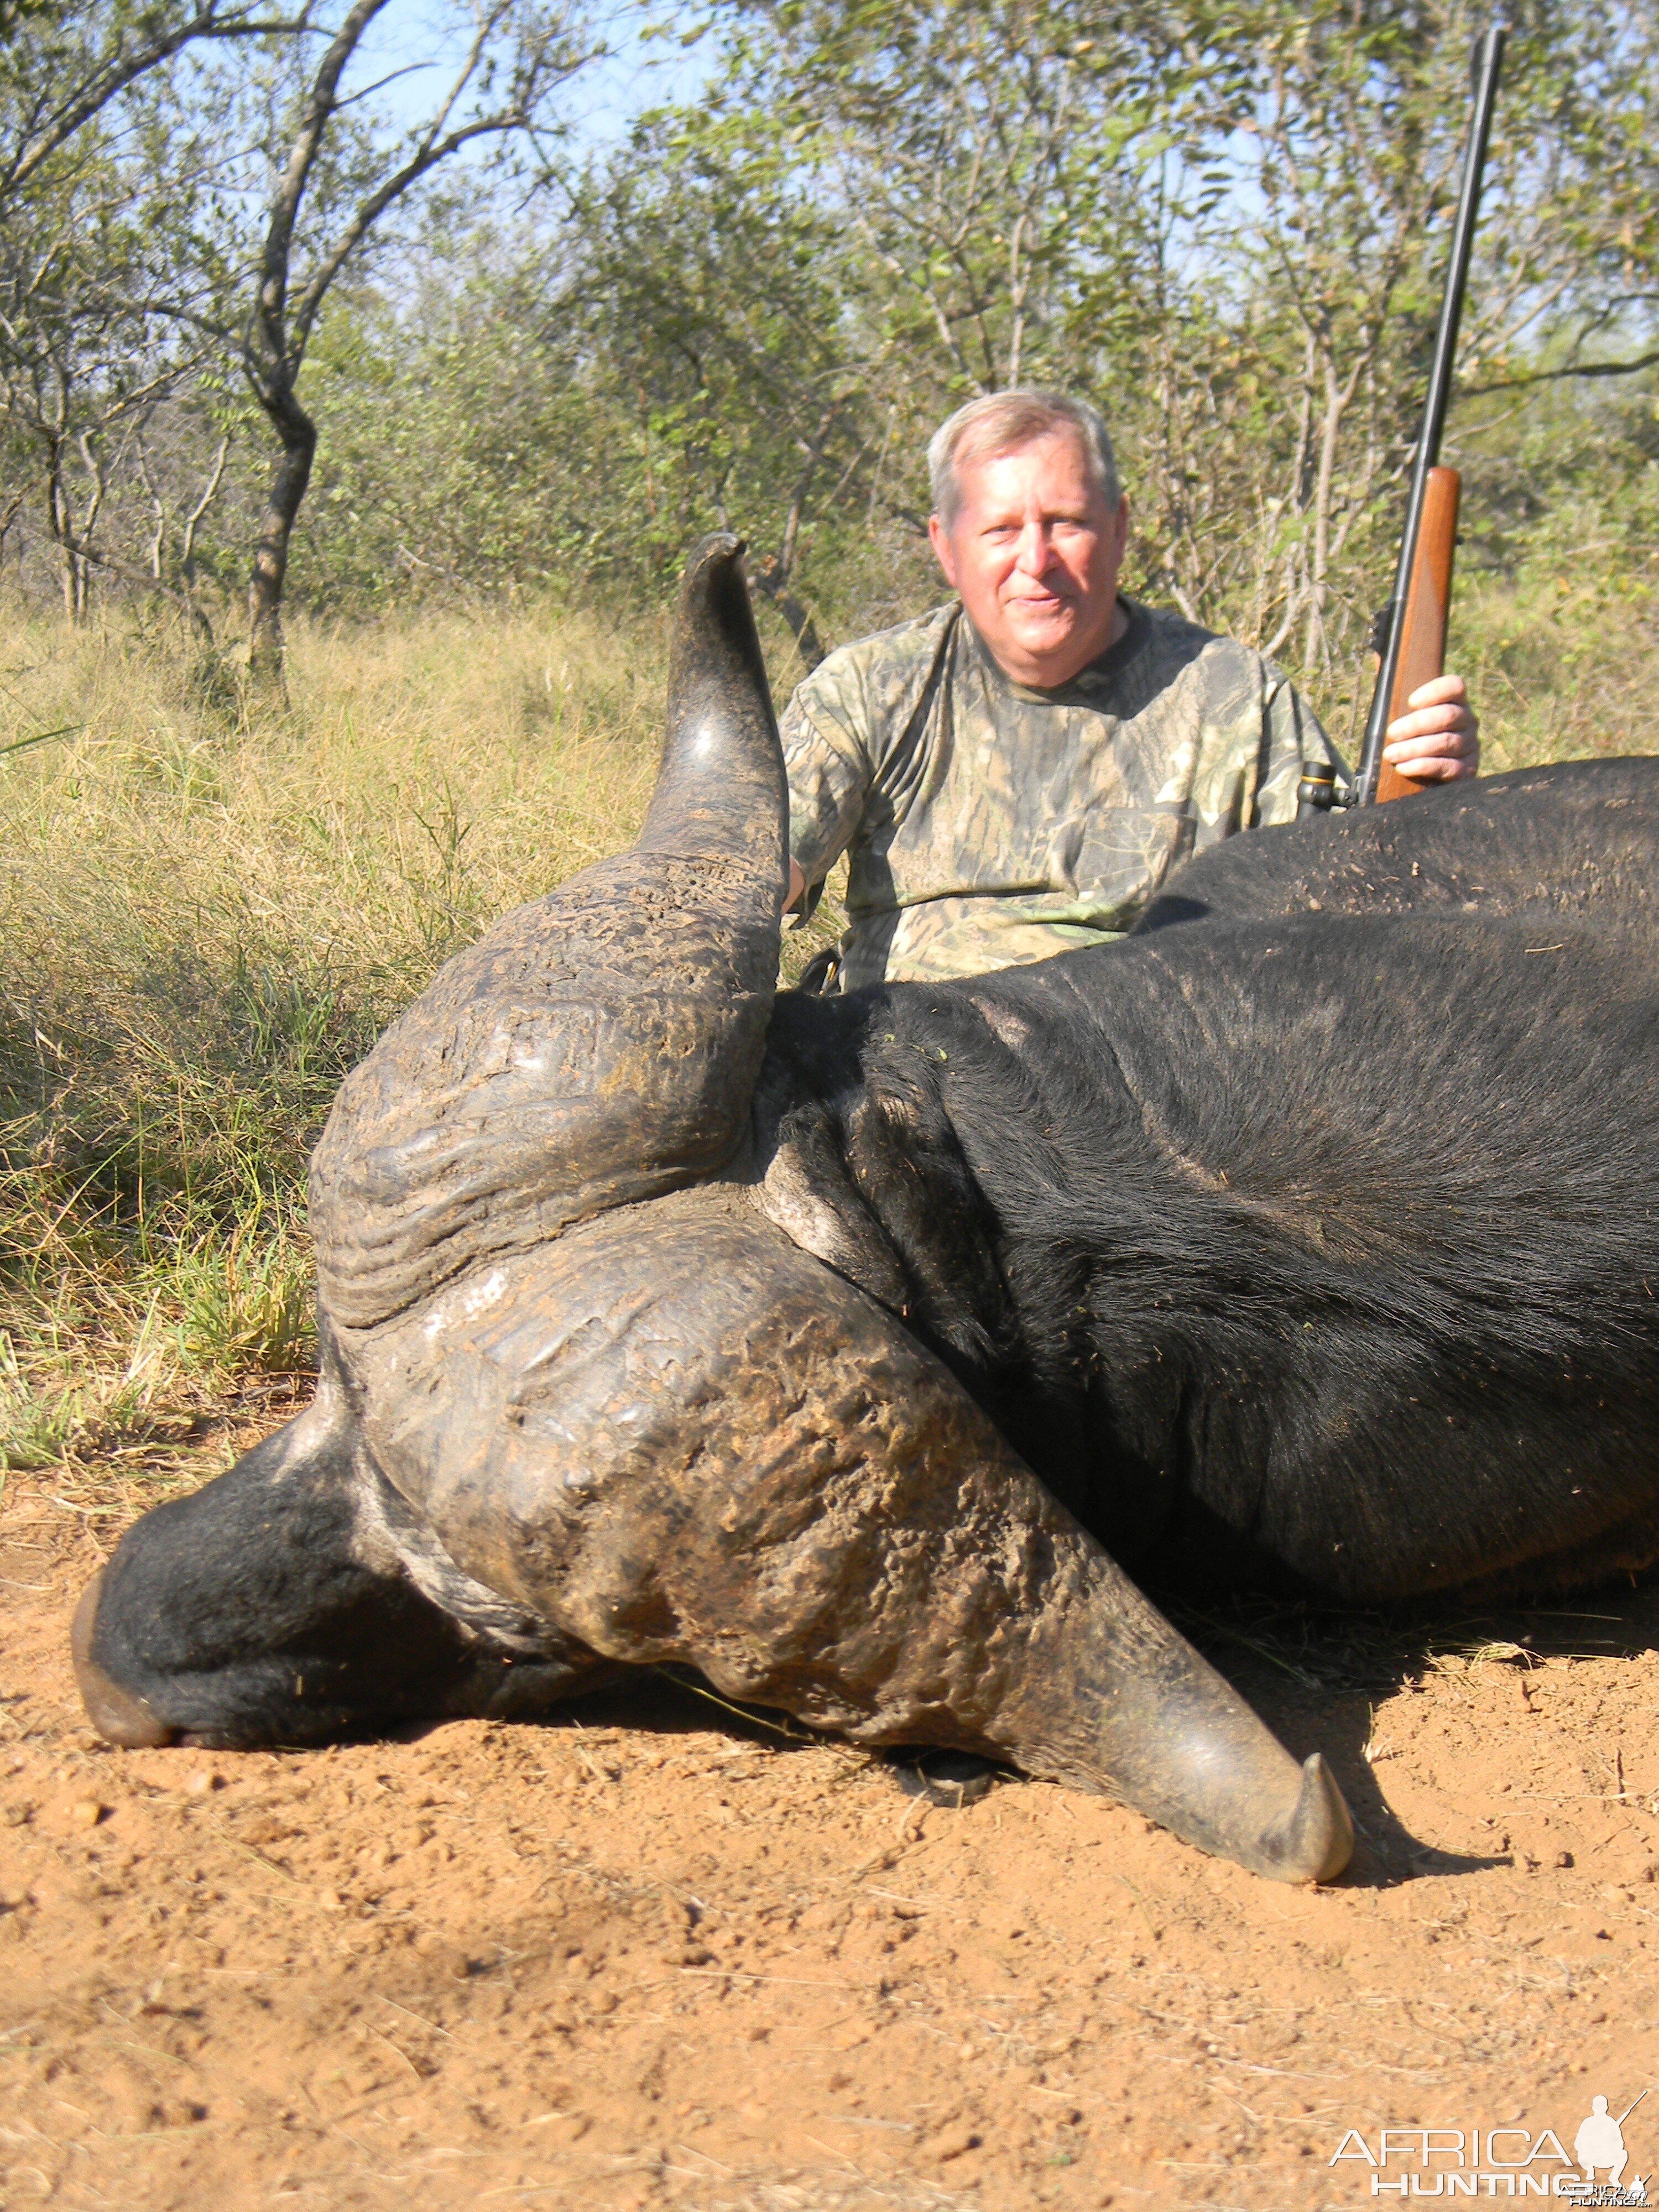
[[1015, 774]]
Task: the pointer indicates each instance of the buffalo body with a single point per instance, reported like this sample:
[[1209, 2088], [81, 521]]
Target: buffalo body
[[852, 1350]]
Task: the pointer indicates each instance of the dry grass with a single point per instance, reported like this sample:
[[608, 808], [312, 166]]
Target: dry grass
[[208, 911], [1561, 667], [207, 915]]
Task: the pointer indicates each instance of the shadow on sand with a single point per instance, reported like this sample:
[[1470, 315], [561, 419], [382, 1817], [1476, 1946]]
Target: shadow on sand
[[1313, 1674]]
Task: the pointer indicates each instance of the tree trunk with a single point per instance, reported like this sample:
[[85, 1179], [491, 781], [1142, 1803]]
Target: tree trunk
[[289, 480], [769, 576], [61, 525]]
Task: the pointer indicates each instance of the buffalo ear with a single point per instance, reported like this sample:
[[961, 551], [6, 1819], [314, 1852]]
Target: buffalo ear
[[598, 1046]]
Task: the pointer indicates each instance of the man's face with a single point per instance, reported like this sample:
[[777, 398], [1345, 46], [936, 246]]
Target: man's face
[[1035, 553]]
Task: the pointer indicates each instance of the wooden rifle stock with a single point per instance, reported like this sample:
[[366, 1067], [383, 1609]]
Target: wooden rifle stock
[[1423, 618]]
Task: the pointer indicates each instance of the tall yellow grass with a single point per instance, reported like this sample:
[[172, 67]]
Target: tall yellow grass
[[205, 916], [208, 911]]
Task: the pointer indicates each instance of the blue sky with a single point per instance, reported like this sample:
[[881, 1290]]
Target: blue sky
[[641, 72]]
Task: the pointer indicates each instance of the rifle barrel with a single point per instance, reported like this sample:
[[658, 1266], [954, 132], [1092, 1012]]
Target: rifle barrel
[[1487, 63]]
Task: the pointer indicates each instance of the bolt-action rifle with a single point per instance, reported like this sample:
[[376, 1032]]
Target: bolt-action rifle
[[1411, 632]]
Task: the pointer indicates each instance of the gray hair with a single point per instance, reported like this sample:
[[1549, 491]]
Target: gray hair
[[1002, 422]]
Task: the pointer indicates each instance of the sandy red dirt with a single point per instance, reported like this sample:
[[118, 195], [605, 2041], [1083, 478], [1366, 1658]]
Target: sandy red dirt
[[656, 1954]]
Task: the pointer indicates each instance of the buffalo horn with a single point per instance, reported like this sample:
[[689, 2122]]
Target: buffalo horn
[[676, 1436], [598, 1046]]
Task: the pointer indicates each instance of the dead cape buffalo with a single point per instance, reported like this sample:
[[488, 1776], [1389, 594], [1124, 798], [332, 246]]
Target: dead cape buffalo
[[844, 1348]]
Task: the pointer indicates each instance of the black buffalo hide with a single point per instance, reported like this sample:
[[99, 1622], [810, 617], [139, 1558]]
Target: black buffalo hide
[[1309, 1238]]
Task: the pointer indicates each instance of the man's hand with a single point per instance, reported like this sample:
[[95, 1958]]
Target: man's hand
[[1439, 741]]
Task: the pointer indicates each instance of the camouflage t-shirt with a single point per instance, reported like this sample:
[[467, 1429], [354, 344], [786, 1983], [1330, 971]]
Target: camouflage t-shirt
[[988, 824]]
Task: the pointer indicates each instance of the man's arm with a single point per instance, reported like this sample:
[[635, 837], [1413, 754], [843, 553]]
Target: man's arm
[[1438, 742], [829, 786]]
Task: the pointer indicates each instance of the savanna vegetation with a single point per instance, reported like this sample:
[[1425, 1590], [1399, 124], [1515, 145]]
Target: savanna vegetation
[[359, 398]]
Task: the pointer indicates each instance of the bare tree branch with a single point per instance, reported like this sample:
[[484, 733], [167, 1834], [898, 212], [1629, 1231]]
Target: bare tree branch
[[111, 76], [1556, 376]]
